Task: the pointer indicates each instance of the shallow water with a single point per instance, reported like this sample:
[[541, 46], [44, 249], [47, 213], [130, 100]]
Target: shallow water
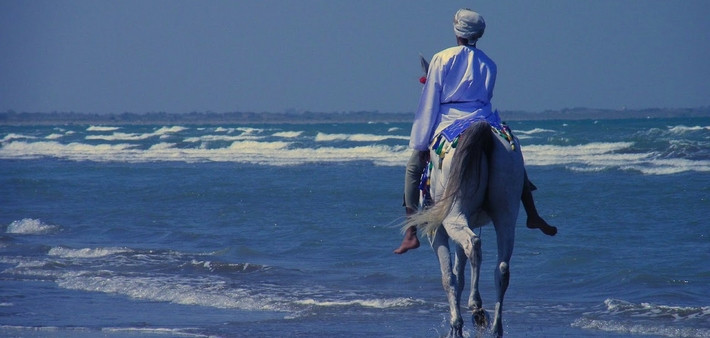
[[289, 230]]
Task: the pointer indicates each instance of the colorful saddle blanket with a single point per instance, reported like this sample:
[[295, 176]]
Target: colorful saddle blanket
[[448, 138]]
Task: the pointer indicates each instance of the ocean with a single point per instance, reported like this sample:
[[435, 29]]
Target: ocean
[[288, 230]]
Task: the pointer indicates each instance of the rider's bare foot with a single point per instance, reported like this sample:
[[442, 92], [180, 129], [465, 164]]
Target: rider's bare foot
[[539, 223], [409, 242]]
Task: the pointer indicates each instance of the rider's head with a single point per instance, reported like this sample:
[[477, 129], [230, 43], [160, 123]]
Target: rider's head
[[468, 26]]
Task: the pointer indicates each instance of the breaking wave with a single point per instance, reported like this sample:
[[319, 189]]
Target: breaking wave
[[29, 226], [653, 151], [371, 303], [188, 279], [642, 329], [622, 317], [86, 252], [226, 138], [598, 156], [12, 136], [101, 128], [267, 153], [534, 131], [288, 134], [198, 290], [678, 313], [323, 137], [64, 331], [117, 136], [681, 129]]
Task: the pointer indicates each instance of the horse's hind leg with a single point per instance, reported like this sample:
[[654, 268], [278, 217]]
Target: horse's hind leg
[[456, 226], [468, 245], [440, 244], [506, 237], [475, 304]]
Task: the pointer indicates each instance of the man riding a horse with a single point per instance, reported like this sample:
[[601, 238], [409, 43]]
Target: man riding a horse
[[475, 171], [459, 82]]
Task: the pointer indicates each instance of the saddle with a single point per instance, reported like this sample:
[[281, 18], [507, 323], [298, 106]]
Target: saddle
[[448, 138]]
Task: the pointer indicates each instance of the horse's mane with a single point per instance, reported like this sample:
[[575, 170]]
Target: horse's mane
[[474, 143]]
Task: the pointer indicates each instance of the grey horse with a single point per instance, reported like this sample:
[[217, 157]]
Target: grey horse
[[477, 182]]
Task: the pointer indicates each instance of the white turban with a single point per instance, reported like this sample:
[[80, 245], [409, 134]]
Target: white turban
[[469, 25]]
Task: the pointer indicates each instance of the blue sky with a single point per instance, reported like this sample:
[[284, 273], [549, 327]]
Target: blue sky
[[329, 56]]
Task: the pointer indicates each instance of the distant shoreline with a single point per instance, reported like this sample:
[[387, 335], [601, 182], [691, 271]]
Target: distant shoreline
[[211, 118]]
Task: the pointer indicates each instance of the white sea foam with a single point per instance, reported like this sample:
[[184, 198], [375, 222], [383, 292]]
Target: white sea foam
[[683, 129], [599, 156], [13, 136], [268, 153], [101, 128], [86, 252], [288, 134], [70, 331], [534, 131], [376, 138], [132, 331], [54, 136], [629, 319], [585, 169], [53, 329], [33, 271], [622, 327], [590, 157], [227, 138], [323, 137], [202, 291], [669, 166], [173, 129], [30, 264], [595, 153], [118, 136], [29, 226], [250, 130], [616, 306], [371, 303], [72, 151], [231, 267], [247, 134]]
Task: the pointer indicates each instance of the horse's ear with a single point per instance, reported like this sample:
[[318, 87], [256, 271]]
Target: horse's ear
[[424, 63]]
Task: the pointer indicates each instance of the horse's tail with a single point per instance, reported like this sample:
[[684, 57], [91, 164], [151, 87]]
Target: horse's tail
[[474, 143]]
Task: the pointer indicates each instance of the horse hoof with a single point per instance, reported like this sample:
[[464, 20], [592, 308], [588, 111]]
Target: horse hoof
[[480, 318], [456, 332]]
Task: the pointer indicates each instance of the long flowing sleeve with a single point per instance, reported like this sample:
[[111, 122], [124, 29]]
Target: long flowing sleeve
[[427, 114]]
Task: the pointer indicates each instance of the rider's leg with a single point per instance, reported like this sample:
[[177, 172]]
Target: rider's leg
[[534, 220], [415, 166]]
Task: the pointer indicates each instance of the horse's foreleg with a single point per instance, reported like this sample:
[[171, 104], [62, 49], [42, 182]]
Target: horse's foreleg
[[460, 261], [440, 245], [506, 238]]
